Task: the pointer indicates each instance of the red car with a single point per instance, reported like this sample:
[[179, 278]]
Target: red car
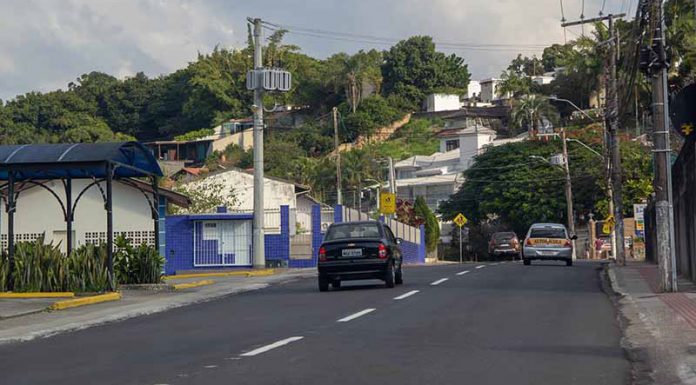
[[504, 244]]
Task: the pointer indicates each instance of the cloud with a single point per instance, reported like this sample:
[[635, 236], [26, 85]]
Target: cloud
[[45, 44]]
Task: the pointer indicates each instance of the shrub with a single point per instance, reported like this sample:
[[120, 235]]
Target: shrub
[[137, 264]]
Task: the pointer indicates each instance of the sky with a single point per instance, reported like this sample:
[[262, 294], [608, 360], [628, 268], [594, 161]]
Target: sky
[[45, 44]]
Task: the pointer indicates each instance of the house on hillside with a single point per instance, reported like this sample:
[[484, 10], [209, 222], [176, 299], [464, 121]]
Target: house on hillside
[[39, 212], [442, 102], [435, 177], [190, 152]]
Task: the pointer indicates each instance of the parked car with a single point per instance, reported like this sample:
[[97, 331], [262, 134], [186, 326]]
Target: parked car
[[359, 250], [504, 244], [548, 241]]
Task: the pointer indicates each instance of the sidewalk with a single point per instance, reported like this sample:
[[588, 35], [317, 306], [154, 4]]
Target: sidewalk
[[659, 328], [30, 320]]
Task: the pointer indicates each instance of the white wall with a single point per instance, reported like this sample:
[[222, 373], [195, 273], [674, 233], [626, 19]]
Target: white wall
[[443, 102], [474, 89], [39, 212], [470, 145], [244, 139]]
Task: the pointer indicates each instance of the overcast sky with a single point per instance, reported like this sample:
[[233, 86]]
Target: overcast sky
[[44, 44]]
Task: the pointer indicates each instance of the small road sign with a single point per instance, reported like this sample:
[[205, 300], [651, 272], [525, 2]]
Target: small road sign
[[460, 220], [387, 203]]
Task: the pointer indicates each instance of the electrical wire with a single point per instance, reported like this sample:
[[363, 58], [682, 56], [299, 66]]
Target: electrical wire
[[382, 41]]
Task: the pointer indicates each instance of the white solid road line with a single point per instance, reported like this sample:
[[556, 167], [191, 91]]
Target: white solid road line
[[463, 272], [356, 315], [480, 266], [272, 346], [410, 293], [439, 281]]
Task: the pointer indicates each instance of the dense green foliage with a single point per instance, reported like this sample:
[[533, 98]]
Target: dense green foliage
[[193, 135], [41, 266], [432, 226]]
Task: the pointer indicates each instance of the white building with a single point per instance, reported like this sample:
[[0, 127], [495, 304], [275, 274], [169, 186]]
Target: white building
[[442, 102], [39, 212], [277, 192], [489, 90], [473, 89], [542, 79]]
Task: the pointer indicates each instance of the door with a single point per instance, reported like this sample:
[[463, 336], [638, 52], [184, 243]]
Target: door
[[222, 243]]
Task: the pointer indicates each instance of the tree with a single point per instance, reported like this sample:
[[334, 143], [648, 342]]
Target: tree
[[356, 75], [526, 66], [412, 69], [514, 83], [205, 196], [432, 225], [554, 56], [530, 111]]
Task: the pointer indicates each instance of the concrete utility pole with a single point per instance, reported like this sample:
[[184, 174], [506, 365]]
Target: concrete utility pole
[[568, 191], [616, 169], [258, 232], [662, 150], [613, 156], [339, 193]]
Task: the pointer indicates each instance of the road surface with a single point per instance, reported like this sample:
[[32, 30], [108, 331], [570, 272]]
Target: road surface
[[448, 324]]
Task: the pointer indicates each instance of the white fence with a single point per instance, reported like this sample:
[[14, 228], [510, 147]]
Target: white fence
[[271, 220], [400, 230]]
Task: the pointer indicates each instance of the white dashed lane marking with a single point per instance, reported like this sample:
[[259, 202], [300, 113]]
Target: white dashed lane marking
[[439, 281], [480, 266], [356, 315], [272, 346], [410, 293], [463, 272]]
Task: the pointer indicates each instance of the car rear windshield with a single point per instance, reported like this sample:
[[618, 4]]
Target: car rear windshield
[[349, 231], [503, 236], [550, 232]]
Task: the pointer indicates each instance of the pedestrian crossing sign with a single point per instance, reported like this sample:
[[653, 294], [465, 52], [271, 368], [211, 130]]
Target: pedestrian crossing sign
[[460, 220], [387, 203]]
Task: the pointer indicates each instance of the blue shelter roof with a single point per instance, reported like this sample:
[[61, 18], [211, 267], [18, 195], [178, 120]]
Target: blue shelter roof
[[76, 160]]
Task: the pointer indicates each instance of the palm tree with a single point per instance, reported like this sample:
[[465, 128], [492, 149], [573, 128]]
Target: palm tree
[[530, 111], [513, 84]]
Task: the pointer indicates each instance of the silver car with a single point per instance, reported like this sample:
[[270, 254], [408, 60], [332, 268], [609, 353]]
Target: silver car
[[548, 241]]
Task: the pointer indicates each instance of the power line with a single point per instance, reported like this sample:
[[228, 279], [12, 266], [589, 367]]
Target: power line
[[377, 40]]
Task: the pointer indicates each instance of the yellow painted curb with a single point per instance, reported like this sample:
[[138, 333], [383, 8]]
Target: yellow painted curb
[[69, 303], [38, 295], [237, 273], [190, 285]]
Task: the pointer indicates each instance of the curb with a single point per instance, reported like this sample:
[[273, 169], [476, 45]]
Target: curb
[[181, 286], [239, 273], [37, 295], [77, 302]]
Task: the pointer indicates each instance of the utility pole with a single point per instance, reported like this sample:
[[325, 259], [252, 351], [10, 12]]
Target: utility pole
[[616, 169], [662, 151], [568, 191], [613, 156], [339, 193], [258, 232]]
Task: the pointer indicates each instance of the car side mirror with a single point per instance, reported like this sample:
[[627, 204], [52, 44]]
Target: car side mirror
[[399, 241], [574, 237]]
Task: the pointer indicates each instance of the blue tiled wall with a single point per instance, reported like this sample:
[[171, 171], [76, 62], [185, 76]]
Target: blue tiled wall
[[179, 242], [277, 246]]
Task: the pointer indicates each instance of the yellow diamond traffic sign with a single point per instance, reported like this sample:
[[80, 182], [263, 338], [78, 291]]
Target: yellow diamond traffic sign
[[460, 220]]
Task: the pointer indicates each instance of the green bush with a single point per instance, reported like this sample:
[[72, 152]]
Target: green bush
[[41, 266], [137, 264], [194, 135]]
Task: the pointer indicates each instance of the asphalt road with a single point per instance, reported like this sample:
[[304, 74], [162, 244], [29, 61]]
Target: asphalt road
[[499, 324]]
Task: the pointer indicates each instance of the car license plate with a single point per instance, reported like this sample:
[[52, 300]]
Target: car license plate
[[505, 245], [352, 252], [549, 253]]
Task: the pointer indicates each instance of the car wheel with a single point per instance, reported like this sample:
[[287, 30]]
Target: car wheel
[[569, 262], [390, 276], [336, 284], [399, 276], [323, 283], [527, 261]]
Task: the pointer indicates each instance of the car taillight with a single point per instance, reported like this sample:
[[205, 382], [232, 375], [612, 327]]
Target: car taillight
[[322, 254], [568, 244], [382, 251], [529, 242]]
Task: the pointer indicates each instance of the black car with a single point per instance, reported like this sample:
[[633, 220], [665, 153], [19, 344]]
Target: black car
[[359, 250]]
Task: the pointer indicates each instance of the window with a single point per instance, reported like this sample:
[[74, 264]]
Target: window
[[451, 144], [548, 232], [353, 230]]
